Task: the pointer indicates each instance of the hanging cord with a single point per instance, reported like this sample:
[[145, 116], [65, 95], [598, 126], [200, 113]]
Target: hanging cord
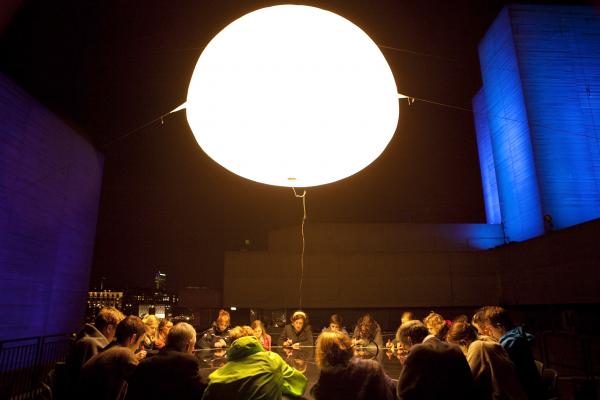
[[303, 196]]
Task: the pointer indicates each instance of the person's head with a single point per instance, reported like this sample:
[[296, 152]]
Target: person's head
[[164, 326], [258, 328], [298, 320], [411, 333], [130, 332], [497, 321], [240, 331], [335, 322], [462, 334], [367, 327], [435, 323], [461, 318], [106, 321], [151, 325], [332, 349], [406, 316], [223, 320], [182, 338], [478, 321]]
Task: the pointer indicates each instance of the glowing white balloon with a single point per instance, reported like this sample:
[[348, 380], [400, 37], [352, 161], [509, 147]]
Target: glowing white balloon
[[292, 96]]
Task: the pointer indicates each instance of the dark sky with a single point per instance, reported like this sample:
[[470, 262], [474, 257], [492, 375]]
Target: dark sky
[[109, 67]]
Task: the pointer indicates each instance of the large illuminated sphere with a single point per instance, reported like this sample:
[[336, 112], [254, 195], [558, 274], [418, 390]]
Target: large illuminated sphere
[[292, 96]]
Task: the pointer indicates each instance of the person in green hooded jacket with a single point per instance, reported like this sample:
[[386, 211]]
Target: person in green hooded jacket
[[253, 373]]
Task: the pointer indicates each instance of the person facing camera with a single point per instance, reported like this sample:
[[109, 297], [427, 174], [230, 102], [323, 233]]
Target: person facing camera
[[343, 376], [298, 333], [217, 336], [367, 330], [261, 334], [253, 373], [335, 325]]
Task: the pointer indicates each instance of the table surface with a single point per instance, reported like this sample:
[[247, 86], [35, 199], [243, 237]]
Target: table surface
[[303, 359]]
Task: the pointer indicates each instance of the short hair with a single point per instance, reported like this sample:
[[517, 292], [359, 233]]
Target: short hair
[[108, 316], [180, 336], [336, 319], [299, 314], [240, 331], [408, 315], [479, 316], [333, 348], [128, 327], [434, 323], [415, 330], [461, 333], [498, 316], [223, 315]]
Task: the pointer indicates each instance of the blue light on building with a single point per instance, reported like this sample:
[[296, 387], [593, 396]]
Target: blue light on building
[[540, 67]]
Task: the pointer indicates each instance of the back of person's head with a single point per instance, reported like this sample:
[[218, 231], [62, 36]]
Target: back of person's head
[[434, 323], [108, 316], [461, 333], [333, 348], [412, 332], [180, 336], [498, 317], [240, 331], [128, 327], [461, 318]]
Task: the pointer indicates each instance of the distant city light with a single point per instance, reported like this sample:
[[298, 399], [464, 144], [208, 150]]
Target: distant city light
[[292, 96]]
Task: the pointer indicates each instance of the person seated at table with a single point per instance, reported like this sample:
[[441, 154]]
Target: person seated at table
[[298, 333], [436, 325], [517, 344], [494, 374], [217, 336], [393, 344], [105, 375], [367, 331], [335, 325], [174, 373], [433, 369], [164, 326], [151, 323], [261, 334], [253, 373], [343, 376]]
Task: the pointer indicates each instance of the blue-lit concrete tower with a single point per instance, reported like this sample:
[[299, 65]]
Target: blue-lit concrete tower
[[537, 118]]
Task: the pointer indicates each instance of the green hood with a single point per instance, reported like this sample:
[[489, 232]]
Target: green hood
[[244, 347]]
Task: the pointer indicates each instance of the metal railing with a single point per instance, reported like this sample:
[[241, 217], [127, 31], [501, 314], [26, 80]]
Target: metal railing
[[24, 363]]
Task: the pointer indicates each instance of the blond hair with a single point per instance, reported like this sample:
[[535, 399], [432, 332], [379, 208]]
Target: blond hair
[[434, 323], [240, 331]]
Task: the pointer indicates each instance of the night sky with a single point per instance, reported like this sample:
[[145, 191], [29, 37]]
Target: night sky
[[108, 68]]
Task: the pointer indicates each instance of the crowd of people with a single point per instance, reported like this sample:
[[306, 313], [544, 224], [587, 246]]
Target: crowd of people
[[486, 357]]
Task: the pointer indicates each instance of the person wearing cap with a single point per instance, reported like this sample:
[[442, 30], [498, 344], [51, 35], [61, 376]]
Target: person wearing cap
[[298, 333]]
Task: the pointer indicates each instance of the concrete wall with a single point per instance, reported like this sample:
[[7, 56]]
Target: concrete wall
[[558, 268], [368, 265], [50, 179]]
